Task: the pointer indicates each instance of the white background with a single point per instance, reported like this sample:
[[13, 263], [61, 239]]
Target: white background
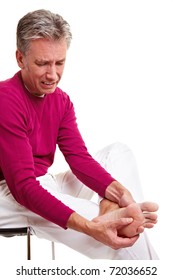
[[119, 75]]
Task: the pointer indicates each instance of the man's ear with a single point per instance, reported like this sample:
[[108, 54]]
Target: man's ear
[[20, 59]]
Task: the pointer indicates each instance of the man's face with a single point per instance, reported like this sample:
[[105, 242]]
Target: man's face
[[42, 66]]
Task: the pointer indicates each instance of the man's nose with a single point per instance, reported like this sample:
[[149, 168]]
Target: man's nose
[[51, 72]]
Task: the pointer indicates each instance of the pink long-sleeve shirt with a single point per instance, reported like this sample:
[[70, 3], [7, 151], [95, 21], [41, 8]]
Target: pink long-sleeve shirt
[[30, 128]]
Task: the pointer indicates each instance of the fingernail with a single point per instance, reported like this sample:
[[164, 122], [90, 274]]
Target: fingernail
[[129, 220]]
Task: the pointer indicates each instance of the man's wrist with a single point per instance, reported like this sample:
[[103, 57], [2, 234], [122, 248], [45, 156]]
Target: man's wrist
[[78, 223], [114, 192]]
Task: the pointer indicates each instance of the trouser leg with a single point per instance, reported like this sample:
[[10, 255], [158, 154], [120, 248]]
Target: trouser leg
[[120, 162], [68, 183]]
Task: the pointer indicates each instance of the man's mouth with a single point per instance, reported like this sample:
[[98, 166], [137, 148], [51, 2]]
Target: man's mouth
[[48, 83]]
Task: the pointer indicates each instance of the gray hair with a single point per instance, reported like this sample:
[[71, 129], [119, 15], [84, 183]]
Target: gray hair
[[41, 24]]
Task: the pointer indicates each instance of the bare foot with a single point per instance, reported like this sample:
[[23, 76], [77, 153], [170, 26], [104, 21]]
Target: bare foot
[[143, 217]]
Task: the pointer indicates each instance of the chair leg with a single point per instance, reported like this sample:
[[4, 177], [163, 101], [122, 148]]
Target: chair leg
[[29, 246], [28, 243], [53, 250]]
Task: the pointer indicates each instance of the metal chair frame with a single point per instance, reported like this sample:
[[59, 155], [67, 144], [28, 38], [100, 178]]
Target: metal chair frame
[[10, 232]]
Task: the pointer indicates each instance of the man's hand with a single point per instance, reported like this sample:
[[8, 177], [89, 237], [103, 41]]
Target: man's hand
[[103, 230], [119, 194], [107, 232]]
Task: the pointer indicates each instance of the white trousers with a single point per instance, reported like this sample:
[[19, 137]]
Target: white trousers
[[116, 159]]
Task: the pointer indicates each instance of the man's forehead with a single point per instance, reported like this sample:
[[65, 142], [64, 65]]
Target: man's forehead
[[43, 49]]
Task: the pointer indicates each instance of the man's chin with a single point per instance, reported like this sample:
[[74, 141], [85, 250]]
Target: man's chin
[[47, 91]]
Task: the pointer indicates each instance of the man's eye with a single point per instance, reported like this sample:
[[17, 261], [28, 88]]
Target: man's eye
[[41, 64], [59, 63]]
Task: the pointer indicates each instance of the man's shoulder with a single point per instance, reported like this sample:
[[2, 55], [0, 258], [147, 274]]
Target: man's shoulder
[[11, 92], [60, 92], [61, 95], [11, 84]]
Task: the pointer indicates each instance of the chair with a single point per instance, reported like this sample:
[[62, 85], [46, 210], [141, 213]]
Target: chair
[[10, 232]]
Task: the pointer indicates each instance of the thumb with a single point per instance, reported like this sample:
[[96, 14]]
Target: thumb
[[123, 222]]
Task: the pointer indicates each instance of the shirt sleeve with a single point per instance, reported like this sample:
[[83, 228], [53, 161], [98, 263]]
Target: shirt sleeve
[[82, 164], [17, 164]]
